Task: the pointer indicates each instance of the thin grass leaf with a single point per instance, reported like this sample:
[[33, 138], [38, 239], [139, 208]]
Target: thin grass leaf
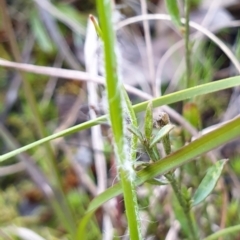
[[161, 133], [209, 182], [224, 232], [173, 9], [164, 100], [190, 93]]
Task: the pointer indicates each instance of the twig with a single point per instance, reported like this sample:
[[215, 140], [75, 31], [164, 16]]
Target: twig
[[12, 169], [66, 73], [83, 76]]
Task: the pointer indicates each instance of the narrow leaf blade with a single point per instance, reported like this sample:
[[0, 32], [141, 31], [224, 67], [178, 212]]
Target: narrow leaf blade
[[209, 182], [163, 100], [163, 132], [226, 133]]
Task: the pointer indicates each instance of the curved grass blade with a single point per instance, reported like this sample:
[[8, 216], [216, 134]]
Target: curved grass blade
[[223, 232], [224, 134], [167, 99]]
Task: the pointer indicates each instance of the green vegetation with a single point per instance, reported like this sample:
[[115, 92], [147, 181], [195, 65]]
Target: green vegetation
[[134, 176]]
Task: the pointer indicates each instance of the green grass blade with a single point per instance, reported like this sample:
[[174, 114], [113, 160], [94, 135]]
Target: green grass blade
[[224, 232], [214, 139], [116, 104], [63, 133], [167, 99], [190, 93]]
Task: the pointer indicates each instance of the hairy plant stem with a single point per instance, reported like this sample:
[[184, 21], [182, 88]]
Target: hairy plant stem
[[187, 46], [60, 203], [116, 103]]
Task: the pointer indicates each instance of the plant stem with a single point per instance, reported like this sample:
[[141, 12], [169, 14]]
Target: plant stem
[[184, 203], [116, 104]]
